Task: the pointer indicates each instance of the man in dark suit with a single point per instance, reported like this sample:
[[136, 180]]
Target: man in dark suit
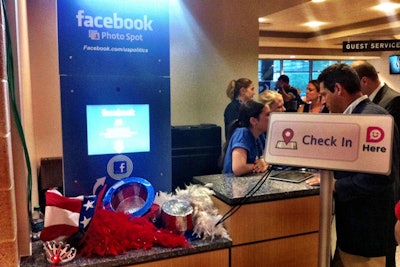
[[379, 92], [383, 95], [364, 202]]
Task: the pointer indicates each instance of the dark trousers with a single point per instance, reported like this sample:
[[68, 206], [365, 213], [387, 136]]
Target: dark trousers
[[391, 258]]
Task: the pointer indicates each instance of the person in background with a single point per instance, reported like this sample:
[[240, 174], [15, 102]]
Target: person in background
[[247, 141], [364, 202], [290, 95], [239, 91], [379, 93], [313, 102], [273, 99]]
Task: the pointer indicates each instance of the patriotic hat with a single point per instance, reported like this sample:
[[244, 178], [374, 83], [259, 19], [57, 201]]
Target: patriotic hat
[[133, 195], [65, 216]]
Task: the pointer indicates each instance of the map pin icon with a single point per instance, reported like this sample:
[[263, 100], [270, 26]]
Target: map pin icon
[[287, 135]]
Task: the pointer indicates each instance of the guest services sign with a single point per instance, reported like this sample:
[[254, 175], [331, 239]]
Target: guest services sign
[[376, 45], [331, 141]]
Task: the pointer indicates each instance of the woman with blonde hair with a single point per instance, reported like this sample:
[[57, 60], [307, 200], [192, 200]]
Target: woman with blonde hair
[[273, 99]]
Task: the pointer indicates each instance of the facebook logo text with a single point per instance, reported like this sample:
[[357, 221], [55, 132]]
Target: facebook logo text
[[120, 167]]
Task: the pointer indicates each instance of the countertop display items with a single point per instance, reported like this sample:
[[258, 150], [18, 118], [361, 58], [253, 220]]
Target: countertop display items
[[128, 217]]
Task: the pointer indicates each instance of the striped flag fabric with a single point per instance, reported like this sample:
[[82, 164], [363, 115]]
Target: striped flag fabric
[[65, 216]]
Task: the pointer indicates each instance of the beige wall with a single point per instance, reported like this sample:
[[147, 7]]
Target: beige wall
[[42, 19], [210, 45], [17, 22]]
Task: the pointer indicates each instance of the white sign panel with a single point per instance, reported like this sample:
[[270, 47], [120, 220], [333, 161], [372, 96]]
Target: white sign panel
[[356, 142]]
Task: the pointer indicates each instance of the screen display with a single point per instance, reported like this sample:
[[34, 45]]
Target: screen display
[[394, 63], [115, 129], [291, 176]]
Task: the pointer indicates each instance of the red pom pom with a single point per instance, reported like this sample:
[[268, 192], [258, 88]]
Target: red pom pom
[[397, 210]]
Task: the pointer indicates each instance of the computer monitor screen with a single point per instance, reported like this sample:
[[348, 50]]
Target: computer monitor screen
[[394, 64], [114, 129]]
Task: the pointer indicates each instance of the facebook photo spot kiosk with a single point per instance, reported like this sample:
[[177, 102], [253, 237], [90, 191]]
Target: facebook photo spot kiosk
[[361, 143], [115, 93]]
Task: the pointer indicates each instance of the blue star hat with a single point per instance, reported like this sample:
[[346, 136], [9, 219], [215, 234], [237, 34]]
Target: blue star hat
[[133, 195]]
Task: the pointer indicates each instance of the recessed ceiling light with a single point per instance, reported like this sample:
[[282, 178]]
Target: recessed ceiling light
[[386, 7], [317, 1], [314, 24], [262, 20]]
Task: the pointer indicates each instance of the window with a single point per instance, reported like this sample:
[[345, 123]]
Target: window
[[300, 72], [268, 73]]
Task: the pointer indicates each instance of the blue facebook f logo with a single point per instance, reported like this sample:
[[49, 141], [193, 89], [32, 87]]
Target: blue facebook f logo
[[120, 167]]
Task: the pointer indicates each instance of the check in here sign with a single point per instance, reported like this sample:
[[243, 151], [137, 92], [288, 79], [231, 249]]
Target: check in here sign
[[361, 143]]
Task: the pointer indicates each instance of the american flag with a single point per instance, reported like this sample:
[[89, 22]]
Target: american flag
[[64, 216]]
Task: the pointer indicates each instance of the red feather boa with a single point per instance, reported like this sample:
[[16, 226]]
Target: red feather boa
[[113, 233]]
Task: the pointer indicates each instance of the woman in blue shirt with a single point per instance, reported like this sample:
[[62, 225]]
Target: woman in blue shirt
[[246, 145]]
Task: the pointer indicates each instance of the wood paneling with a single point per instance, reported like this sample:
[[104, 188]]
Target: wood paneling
[[218, 258], [298, 251], [272, 219]]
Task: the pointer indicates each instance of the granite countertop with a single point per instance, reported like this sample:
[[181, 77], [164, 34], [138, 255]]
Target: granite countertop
[[129, 258], [233, 190]]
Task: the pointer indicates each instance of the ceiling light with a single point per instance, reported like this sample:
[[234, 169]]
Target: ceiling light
[[314, 24], [262, 20], [317, 1], [387, 6]]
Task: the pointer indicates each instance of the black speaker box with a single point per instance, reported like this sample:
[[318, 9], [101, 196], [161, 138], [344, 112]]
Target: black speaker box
[[195, 151]]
